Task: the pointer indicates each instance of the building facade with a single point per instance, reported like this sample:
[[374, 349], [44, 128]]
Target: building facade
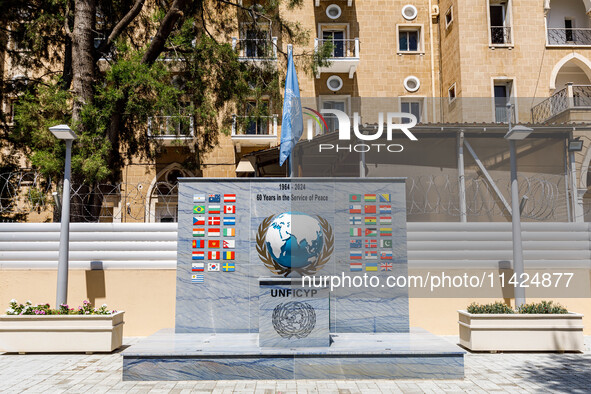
[[453, 64]]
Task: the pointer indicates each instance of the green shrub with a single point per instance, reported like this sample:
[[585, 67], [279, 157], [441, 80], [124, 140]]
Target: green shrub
[[497, 307], [44, 309], [542, 307]]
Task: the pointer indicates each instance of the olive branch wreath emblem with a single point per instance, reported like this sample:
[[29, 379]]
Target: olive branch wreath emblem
[[310, 269]]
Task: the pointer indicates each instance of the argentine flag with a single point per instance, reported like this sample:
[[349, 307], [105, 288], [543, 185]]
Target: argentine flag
[[292, 125]]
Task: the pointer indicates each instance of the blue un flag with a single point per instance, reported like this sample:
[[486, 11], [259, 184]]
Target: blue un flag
[[292, 125]]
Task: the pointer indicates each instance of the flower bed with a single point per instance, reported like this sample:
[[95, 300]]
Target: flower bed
[[28, 328], [532, 327]]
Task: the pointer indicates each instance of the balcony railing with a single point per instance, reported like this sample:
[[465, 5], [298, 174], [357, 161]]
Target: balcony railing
[[170, 127], [317, 3], [570, 97], [251, 126], [502, 114], [255, 48], [341, 48], [500, 35], [569, 37], [345, 55]]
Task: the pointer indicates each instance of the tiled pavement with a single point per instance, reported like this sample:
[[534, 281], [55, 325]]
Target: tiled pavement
[[99, 373]]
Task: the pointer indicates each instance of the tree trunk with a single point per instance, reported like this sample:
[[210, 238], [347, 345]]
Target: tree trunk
[[82, 77], [82, 57], [67, 69]]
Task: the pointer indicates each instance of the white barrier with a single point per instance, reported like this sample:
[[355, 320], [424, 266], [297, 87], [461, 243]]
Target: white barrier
[[153, 245], [92, 245]]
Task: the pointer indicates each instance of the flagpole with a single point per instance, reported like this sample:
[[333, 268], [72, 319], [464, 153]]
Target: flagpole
[[290, 158], [292, 126]]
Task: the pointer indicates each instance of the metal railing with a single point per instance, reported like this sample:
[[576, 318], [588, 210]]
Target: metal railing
[[255, 48], [250, 125], [502, 113], [170, 126], [500, 35], [569, 97], [569, 37], [341, 48]]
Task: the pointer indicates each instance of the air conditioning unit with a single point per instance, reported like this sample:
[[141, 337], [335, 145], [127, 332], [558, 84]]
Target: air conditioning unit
[[434, 11]]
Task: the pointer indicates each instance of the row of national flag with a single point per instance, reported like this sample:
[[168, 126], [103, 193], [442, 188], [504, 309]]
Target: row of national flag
[[214, 232], [370, 232], [369, 197], [370, 254], [213, 255], [214, 221], [212, 267], [217, 254], [371, 245], [357, 266], [353, 220], [370, 209], [214, 209], [214, 198]]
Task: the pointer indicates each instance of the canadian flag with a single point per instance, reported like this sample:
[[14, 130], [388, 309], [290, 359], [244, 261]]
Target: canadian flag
[[229, 208]]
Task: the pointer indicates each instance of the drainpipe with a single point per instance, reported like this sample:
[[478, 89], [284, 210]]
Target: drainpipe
[[432, 59]]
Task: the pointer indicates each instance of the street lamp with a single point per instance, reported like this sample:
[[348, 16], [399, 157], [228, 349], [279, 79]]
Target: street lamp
[[575, 145], [63, 132], [516, 133]]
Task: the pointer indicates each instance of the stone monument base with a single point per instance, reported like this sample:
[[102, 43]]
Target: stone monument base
[[415, 355]]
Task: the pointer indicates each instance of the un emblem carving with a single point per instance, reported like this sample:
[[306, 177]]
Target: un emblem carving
[[294, 242], [294, 319]]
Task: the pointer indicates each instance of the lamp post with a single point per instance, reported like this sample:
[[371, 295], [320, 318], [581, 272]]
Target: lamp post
[[516, 133], [63, 132]]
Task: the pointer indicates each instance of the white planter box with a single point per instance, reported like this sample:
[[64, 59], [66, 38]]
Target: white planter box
[[521, 332], [61, 333]]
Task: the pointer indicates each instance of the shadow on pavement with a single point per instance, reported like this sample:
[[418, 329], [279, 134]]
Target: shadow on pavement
[[560, 373]]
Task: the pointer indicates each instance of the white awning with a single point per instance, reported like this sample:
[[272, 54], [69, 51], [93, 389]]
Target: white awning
[[245, 166]]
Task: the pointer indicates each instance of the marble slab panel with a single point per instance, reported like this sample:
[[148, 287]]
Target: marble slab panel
[[292, 315], [413, 355]]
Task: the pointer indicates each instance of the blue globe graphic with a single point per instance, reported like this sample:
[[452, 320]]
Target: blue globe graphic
[[294, 239]]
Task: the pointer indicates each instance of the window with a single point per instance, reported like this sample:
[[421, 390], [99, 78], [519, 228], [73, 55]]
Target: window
[[449, 17], [17, 37], [569, 25], [9, 105], [500, 29], [166, 212], [333, 11], [331, 120], [411, 106], [412, 83], [337, 39], [334, 83], [409, 12], [259, 124], [409, 40], [99, 39], [502, 95], [257, 43], [451, 93]]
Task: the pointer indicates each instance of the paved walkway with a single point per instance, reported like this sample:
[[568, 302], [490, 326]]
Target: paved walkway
[[508, 372]]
